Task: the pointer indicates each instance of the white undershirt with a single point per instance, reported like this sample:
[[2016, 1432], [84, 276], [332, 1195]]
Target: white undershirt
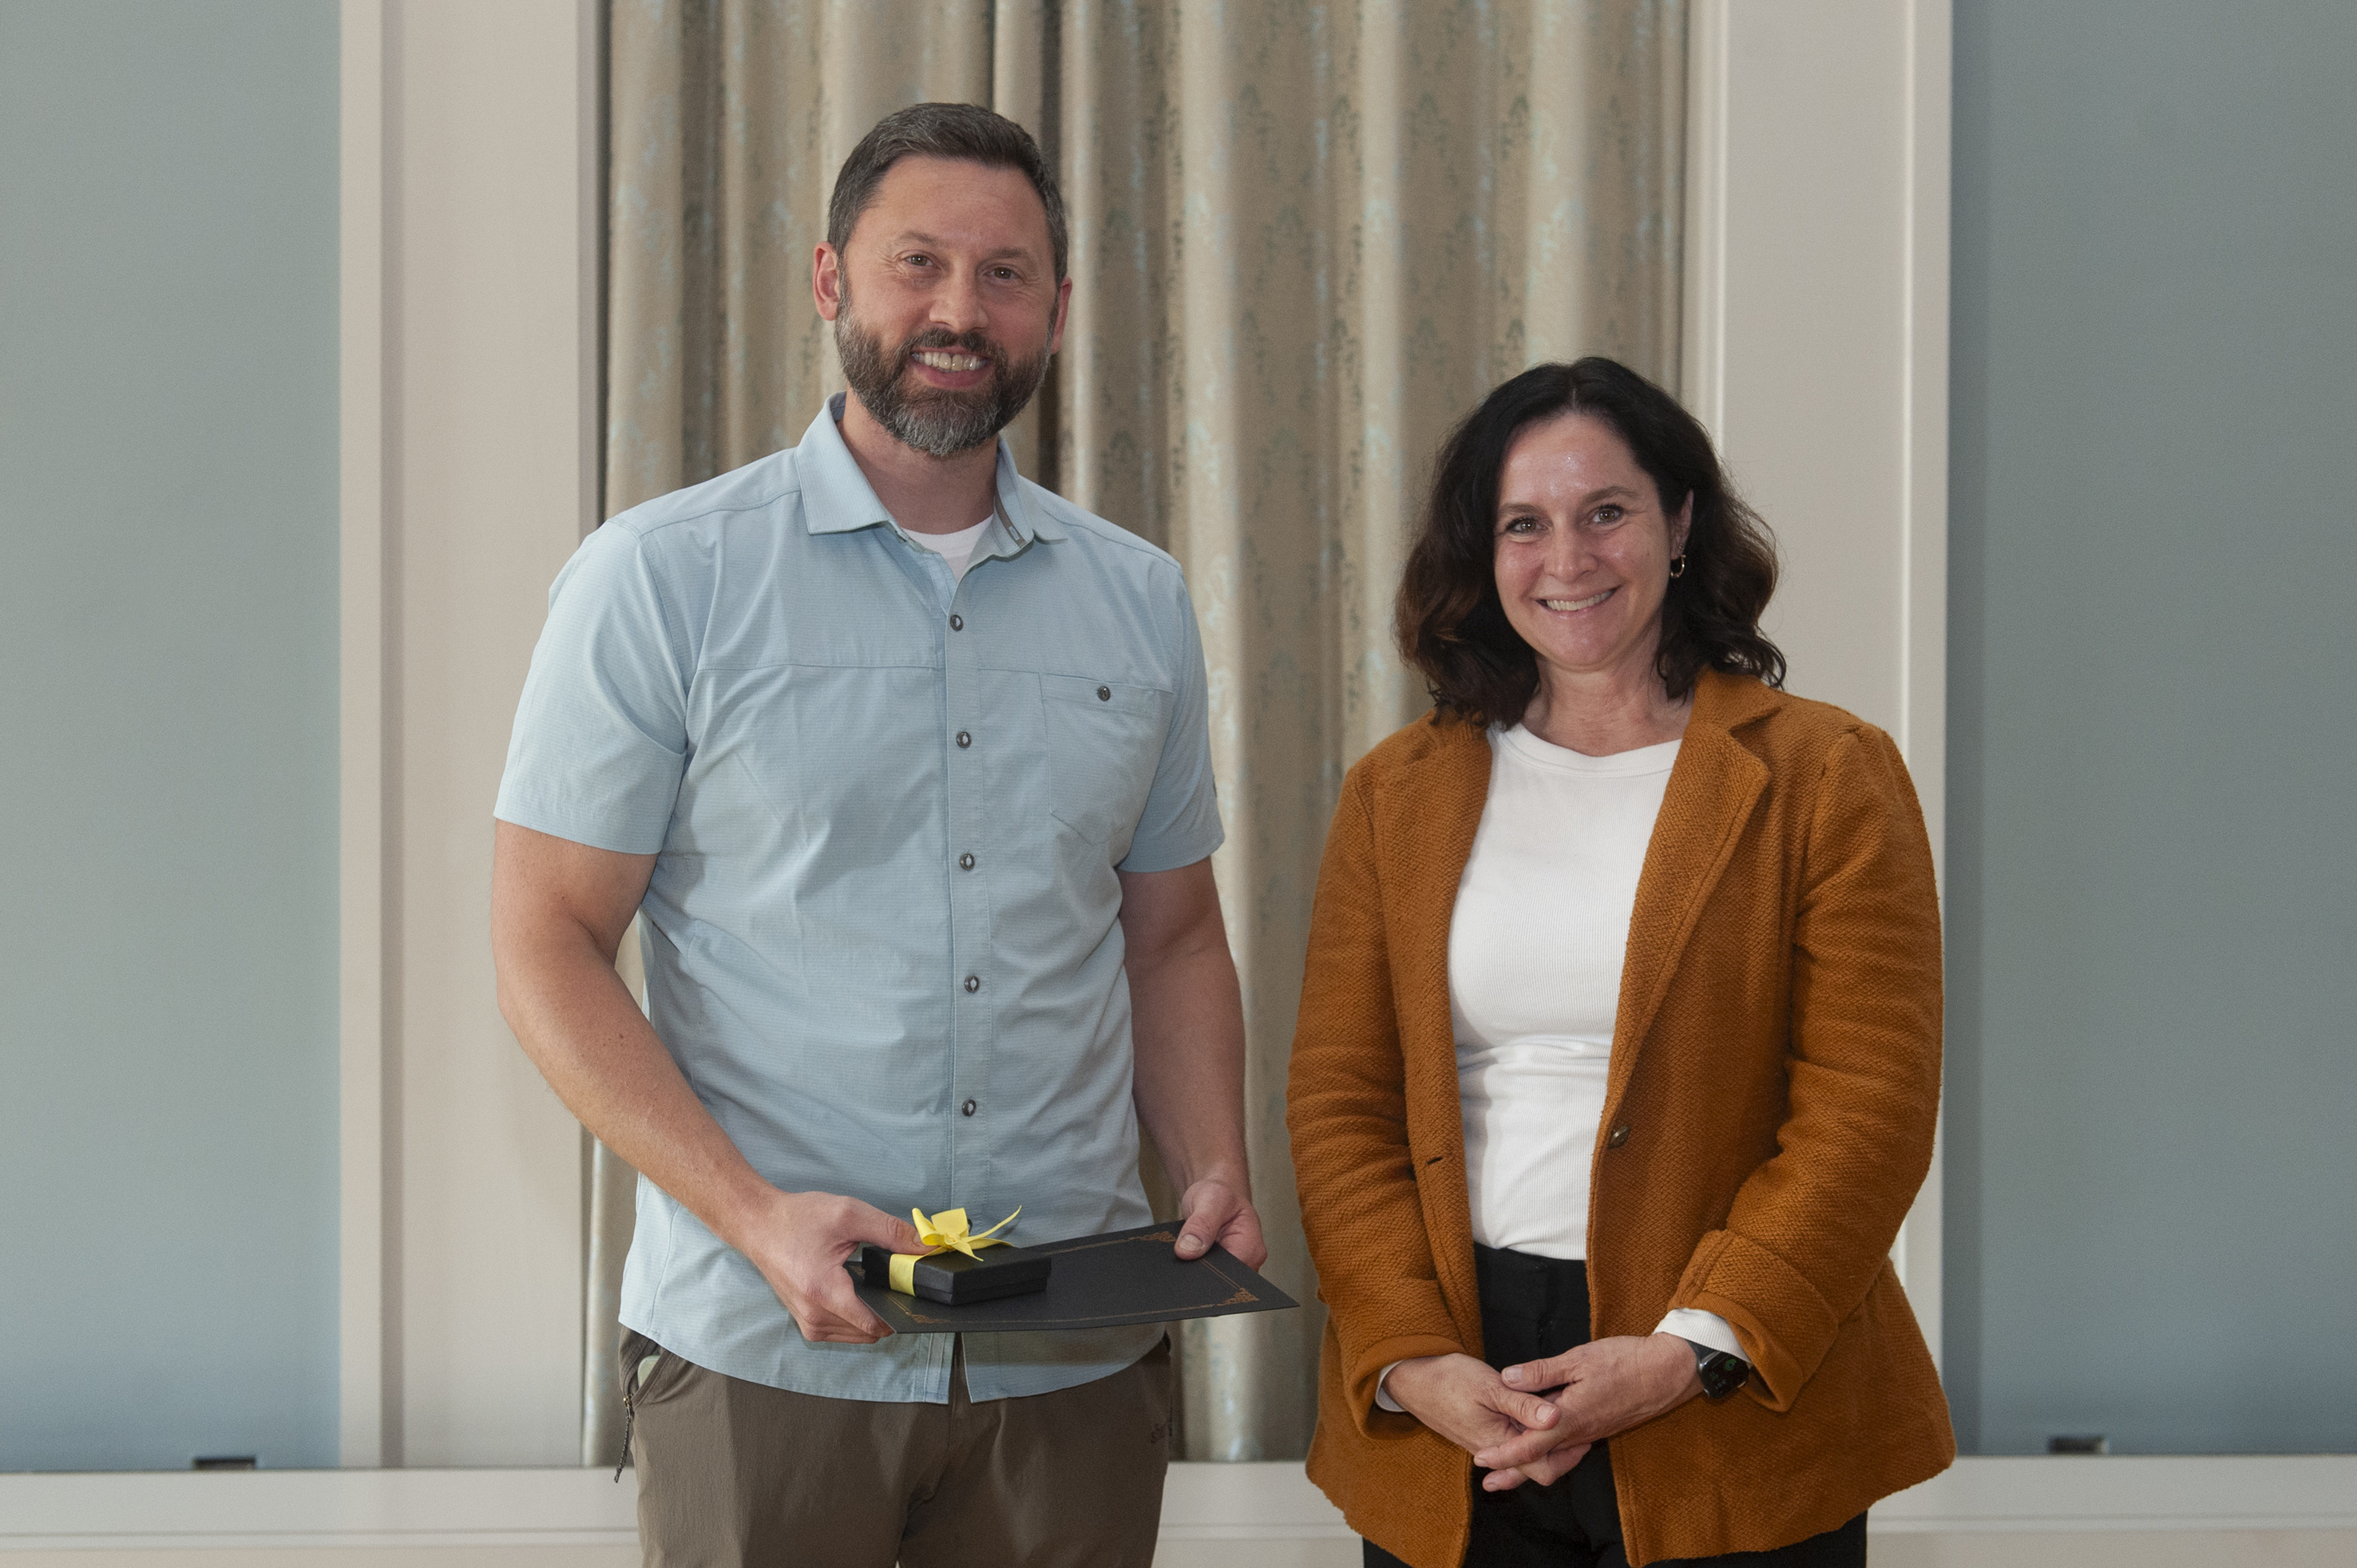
[[1535, 950], [957, 549], [1535, 945]]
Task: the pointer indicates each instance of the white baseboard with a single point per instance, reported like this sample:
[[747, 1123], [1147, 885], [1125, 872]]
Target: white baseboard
[[1238, 1504], [267, 1508], [1247, 1502], [2129, 1492]]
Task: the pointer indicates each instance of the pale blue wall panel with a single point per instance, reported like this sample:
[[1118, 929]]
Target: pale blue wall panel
[[2152, 864], [167, 731]]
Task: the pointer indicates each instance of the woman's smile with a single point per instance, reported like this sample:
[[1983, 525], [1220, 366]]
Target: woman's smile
[[1572, 607]]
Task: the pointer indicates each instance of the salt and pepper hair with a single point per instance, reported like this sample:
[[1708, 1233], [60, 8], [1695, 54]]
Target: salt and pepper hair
[[965, 132], [1450, 621]]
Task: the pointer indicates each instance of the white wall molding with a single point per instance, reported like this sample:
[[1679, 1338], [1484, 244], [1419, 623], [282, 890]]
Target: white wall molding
[[1929, 65], [1922, 732], [471, 460], [1816, 338], [362, 1230], [1815, 350], [1238, 1504], [1702, 316]]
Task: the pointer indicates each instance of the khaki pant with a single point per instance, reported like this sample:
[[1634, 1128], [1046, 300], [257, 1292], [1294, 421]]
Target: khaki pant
[[739, 1475]]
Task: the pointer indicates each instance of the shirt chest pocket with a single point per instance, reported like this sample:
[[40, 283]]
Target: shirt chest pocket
[[1104, 741]]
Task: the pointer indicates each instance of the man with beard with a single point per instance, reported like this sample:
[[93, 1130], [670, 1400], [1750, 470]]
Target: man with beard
[[903, 762]]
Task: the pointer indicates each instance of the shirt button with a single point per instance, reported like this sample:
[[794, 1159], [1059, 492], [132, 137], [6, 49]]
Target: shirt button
[[957, 623], [1618, 1136], [965, 862], [1105, 694], [963, 740], [973, 984], [969, 1107]]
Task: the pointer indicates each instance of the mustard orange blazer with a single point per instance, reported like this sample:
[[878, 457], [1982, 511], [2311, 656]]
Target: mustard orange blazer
[[1774, 1080]]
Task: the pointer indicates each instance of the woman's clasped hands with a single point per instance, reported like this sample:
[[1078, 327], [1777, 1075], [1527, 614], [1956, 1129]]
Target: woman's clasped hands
[[1536, 1420], [1468, 1402]]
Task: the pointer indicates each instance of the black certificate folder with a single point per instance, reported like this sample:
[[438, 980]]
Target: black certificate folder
[[1121, 1278]]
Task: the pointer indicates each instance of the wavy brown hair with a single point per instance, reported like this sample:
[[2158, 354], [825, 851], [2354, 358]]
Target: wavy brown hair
[[1449, 622]]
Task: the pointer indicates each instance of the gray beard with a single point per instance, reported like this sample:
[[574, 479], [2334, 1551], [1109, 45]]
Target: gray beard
[[939, 423]]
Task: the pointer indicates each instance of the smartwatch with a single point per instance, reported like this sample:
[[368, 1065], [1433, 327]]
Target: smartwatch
[[1721, 1373]]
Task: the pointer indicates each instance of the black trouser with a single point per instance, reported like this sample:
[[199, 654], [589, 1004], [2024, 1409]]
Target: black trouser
[[1535, 1308]]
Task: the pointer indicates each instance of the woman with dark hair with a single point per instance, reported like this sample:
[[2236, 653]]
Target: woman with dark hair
[[1619, 1052]]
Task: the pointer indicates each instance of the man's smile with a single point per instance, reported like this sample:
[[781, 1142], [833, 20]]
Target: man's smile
[[950, 360]]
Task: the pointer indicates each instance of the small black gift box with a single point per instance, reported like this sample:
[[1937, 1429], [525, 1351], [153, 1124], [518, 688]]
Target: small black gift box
[[955, 1279]]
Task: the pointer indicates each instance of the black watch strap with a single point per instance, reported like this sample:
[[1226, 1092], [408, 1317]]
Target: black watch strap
[[1721, 1373]]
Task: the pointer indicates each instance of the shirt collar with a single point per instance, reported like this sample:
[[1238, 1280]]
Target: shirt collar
[[837, 497]]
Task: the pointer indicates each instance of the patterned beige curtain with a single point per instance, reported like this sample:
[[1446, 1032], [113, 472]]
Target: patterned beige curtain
[[1306, 238]]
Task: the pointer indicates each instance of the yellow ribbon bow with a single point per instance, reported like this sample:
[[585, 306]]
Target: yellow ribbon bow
[[944, 1233]]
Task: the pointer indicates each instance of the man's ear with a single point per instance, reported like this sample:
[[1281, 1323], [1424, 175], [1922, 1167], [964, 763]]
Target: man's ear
[[1063, 307], [826, 281]]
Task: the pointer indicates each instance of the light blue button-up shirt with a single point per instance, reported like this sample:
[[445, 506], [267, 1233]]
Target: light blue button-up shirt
[[764, 683]]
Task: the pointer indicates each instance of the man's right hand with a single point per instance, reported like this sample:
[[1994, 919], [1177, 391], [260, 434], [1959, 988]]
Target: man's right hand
[[558, 911], [1466, 1401], [800, 1241]]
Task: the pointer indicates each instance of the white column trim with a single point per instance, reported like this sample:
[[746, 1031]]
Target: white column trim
[[1923, 727], [365, 1280], [589, 130], [1713, 74], [1923, 723], [1701, 331], [471, 469]]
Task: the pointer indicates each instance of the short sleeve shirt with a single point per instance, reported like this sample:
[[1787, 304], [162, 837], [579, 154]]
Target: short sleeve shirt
[[886, 807]]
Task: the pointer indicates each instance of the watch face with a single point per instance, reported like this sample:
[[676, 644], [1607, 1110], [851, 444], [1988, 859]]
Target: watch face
[[1722, 1374]]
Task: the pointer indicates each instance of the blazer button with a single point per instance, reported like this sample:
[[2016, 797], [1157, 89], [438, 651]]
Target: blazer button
[[1105, 694], [969, 1107], [973, 983], [1620, 1135], [957, 623], [963, 740], [965, 862]]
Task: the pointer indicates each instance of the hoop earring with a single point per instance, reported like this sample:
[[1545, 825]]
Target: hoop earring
[[1678, 567]]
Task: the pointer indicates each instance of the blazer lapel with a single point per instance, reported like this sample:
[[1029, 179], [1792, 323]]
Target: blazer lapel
[[1430, 849], [1711, 794], [1426, 845]]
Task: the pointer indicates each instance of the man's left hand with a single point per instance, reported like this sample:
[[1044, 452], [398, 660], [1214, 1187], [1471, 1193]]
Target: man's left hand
[[1216, 1210]]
